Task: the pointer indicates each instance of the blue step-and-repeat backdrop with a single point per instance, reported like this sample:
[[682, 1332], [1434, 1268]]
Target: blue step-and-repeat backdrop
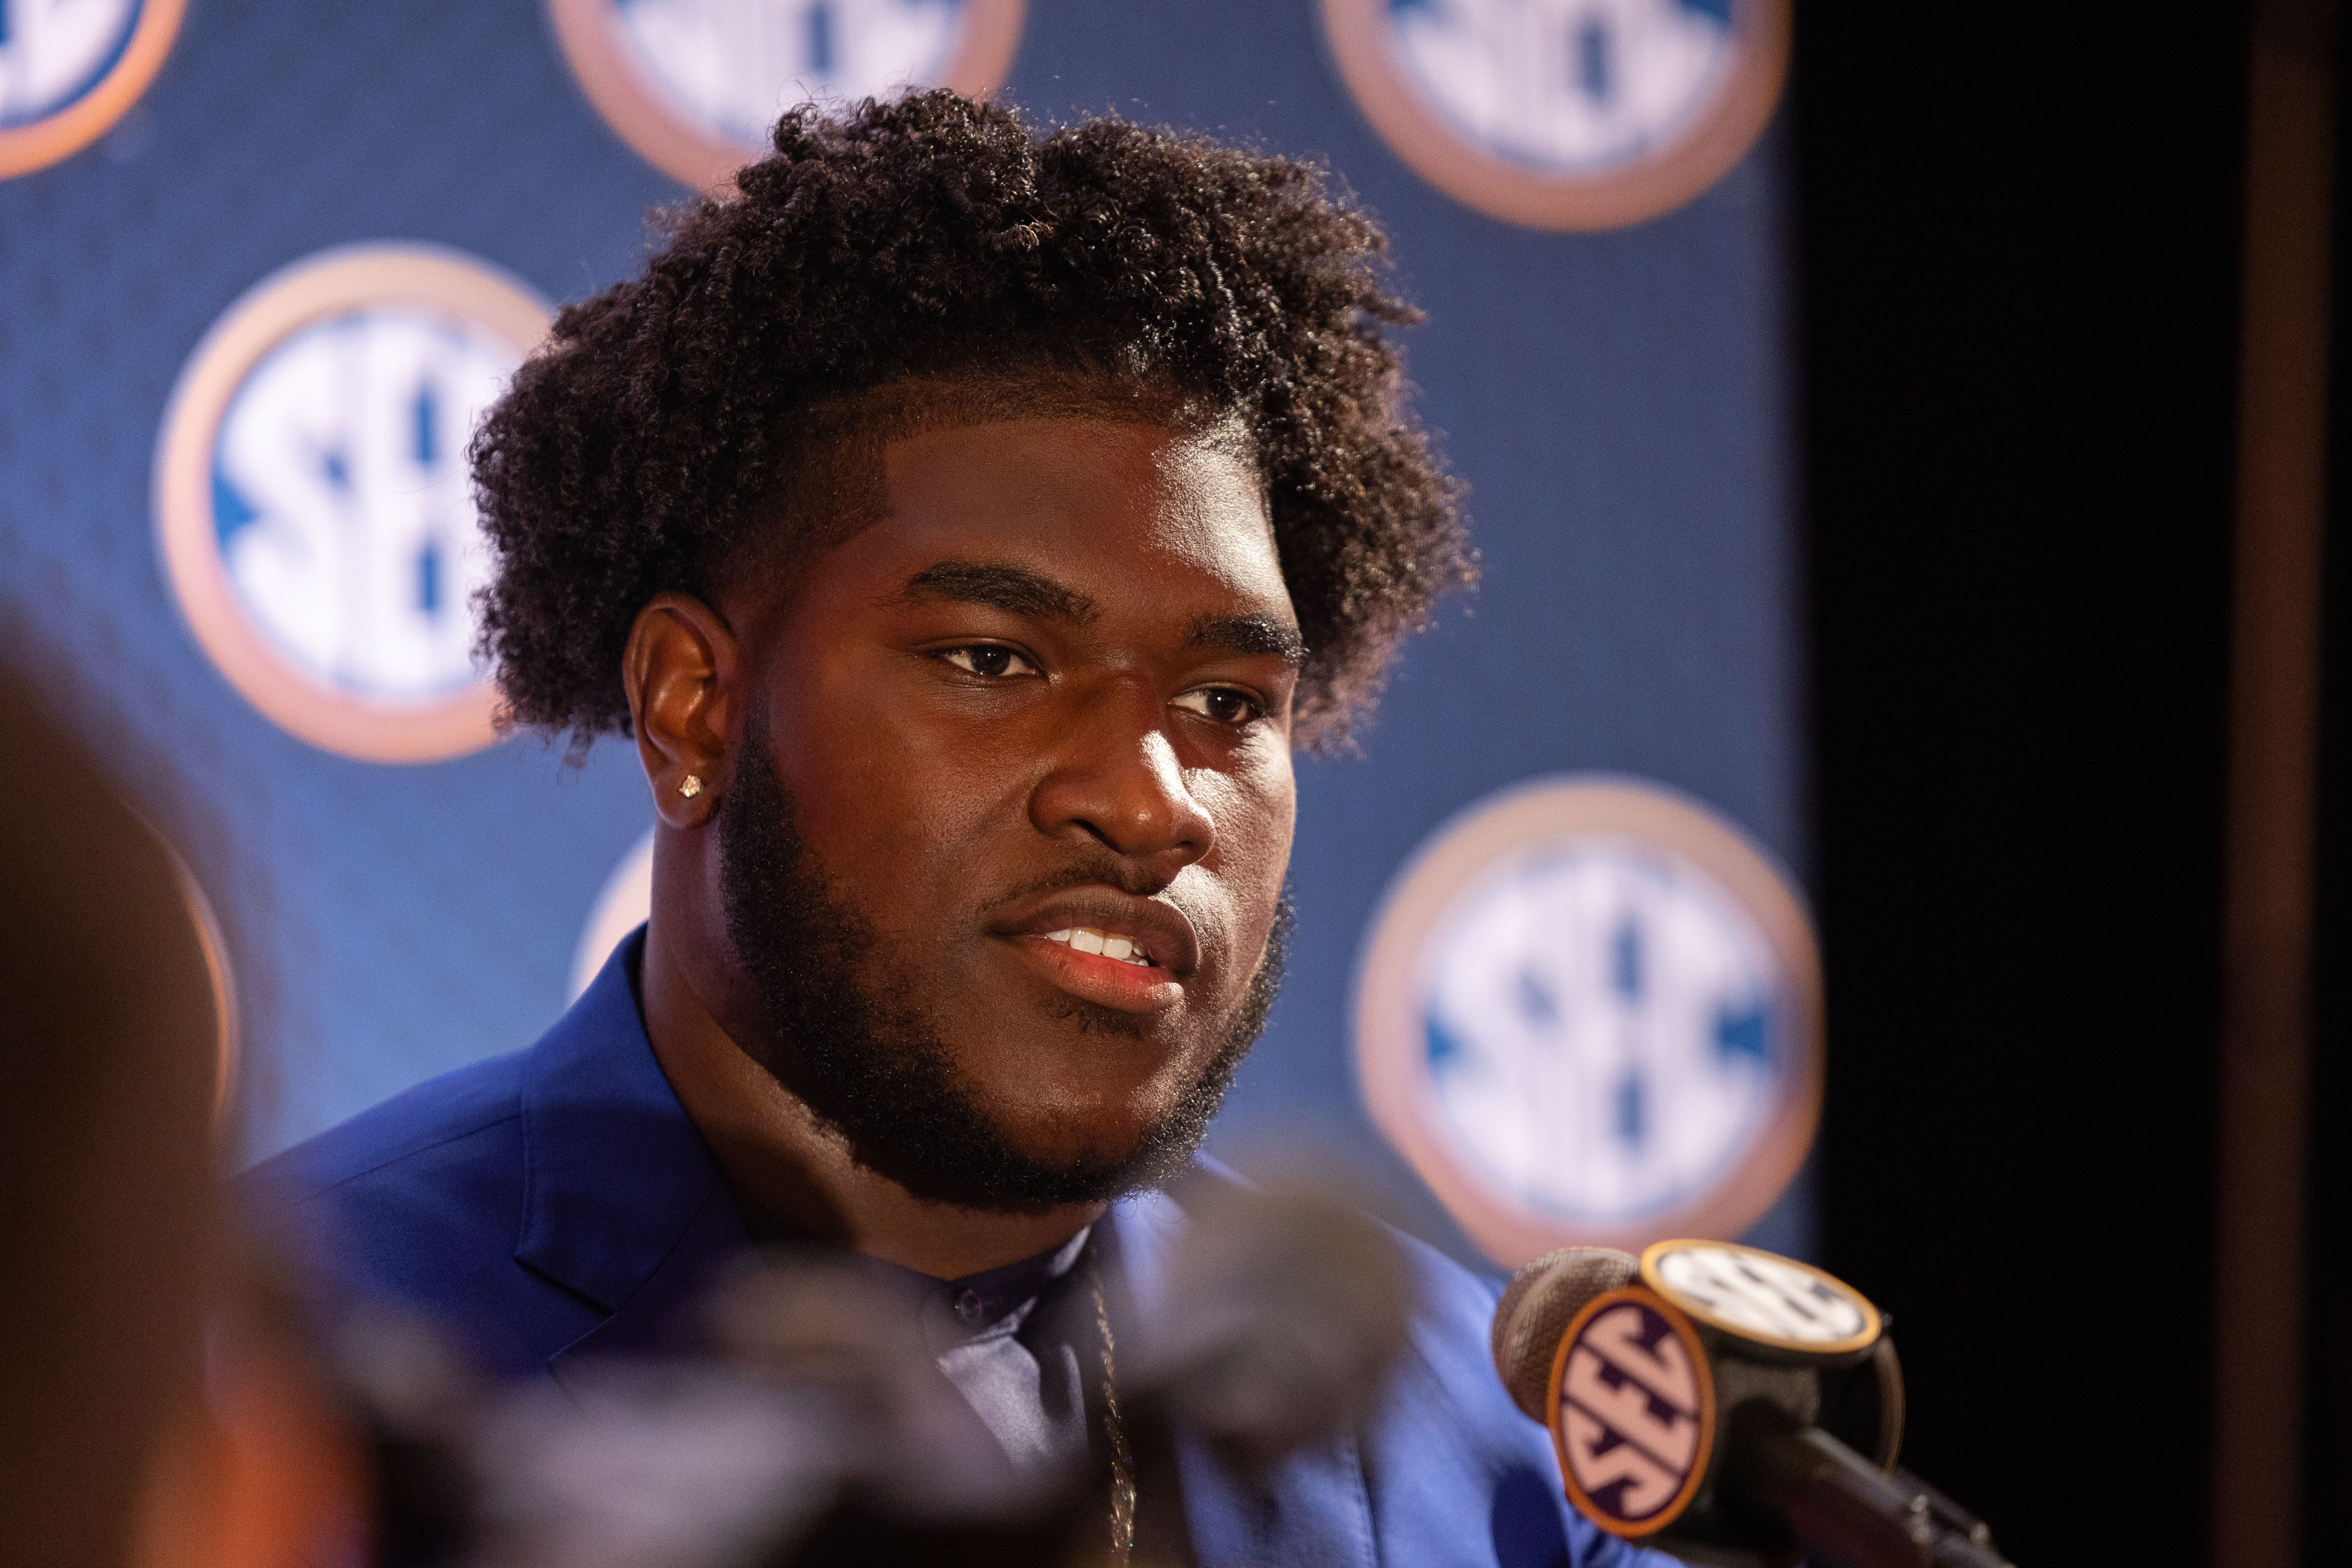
[[262, 263]]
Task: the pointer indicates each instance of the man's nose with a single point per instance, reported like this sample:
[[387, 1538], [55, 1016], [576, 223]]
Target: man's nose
[[1118, 780]]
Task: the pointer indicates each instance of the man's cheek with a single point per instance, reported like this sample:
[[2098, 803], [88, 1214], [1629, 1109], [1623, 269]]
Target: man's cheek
[[891, 834]]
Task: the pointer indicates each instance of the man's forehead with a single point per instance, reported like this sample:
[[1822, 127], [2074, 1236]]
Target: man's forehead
[[1041, 457], [834, 469], [1116, 511], [1021, 471]]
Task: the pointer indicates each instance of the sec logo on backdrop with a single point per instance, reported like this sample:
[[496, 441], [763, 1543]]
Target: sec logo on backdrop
[[1588, 1012], [1565, 115], [695, 86], [313, 505], [70, 70]]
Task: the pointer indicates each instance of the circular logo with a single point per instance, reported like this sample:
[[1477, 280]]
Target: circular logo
[[1565, 115], [1633, 1412], [696, 85], [625, 903], [1762, 1296], [1589, 1013], [70, 68], [312, 500]]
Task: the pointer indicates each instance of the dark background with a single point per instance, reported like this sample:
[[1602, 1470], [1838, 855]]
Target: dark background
[[2020, 239]]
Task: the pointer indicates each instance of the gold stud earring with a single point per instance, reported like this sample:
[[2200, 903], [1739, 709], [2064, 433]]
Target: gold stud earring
[[689, 786]]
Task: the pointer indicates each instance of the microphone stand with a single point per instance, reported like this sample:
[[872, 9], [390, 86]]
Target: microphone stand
[[1844, 1511]]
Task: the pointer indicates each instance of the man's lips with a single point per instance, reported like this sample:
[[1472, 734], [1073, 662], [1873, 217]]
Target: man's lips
[[1104, 945], [1155, 929]]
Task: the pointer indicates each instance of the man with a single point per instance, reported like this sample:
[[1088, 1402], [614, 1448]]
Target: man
[[966, 527]]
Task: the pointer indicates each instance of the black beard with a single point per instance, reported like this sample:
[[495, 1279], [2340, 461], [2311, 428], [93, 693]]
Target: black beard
[[873, 1067]]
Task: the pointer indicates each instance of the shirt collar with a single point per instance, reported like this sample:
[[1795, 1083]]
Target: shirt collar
[[983, 1300], [613, 1171]]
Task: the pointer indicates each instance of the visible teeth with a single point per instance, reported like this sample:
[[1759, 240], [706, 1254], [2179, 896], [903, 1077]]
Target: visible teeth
[[1085, 939]]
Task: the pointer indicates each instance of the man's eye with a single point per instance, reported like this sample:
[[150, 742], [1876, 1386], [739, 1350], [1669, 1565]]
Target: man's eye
[[989, 660], [1222, 704]]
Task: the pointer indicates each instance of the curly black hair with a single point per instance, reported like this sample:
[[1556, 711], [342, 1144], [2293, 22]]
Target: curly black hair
[[665, 424]]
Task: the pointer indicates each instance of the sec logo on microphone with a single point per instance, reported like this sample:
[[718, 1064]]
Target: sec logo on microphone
[[70, 68], [1565, 115], [1632, 1411], [313, 505], [695, 86], [1762, 1297], [1587, 1014]]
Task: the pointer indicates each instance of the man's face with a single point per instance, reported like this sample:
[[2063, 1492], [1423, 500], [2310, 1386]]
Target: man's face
[[1032, 802]]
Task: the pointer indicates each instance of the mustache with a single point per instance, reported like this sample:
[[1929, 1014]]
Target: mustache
[[1104, 870]]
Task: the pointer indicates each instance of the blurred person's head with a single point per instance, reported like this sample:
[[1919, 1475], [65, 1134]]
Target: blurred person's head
[[156, 1406], [115, 1018], [968, 525], [269, 1461]]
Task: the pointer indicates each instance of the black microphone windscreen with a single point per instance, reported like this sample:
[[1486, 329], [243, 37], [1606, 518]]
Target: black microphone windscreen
[[1288, 1308], [1534, 1312]]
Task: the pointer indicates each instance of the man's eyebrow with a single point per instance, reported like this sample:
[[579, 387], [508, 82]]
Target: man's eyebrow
[[1250, 635], [1011, 589]]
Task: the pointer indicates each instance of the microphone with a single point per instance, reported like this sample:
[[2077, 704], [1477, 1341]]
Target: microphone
[[1727, 1406], [815, 1431], [1284, 1311]]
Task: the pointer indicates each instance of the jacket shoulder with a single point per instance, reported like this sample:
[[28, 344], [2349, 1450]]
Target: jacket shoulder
[[418, 1204], [447, 1110]]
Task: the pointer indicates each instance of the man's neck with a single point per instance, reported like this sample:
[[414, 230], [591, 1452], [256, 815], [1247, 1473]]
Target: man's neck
[[778, 1156]]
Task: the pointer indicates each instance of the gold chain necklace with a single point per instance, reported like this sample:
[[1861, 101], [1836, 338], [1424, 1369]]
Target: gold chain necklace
[[1122, 1458]]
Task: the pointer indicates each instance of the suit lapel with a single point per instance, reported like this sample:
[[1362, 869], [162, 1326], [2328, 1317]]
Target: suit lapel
[[652, 1319]]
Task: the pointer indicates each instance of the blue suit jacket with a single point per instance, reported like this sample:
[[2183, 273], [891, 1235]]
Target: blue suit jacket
[[556, 1205]]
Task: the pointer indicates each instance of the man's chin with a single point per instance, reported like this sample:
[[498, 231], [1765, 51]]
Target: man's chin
[[949, 1145], [1028, 1168], [1020, 1184]]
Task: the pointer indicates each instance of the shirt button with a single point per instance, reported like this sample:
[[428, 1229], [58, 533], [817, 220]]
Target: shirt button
[[966, 1306]]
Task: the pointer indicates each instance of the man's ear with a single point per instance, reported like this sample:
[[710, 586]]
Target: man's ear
[[681, 670]]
